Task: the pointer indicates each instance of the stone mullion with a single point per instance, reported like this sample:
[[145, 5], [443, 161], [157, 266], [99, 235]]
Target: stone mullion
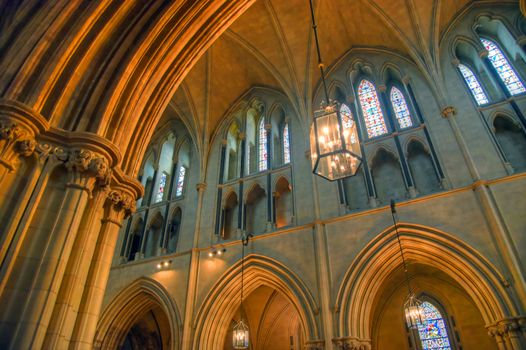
[[32, 322], [69, 298], [268, 134], [125, 241], [118, 205]]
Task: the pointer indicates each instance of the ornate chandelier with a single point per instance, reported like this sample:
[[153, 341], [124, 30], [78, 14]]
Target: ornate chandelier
[[413, 310], [240, 333], [335, 146]]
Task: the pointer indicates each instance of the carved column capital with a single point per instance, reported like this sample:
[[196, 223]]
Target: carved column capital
[[15, 139], [351, 343], [268, 127], [508, 328], [382, 88], [448, 111], [86, 168], [315, 345], [119, 205], [455, 62], [483, 53]]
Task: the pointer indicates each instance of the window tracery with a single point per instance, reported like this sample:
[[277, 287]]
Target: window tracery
[[474, 86], [504, 69], [372, 112]]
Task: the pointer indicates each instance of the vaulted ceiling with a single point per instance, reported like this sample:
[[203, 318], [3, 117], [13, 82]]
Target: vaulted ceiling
[[272, 45]]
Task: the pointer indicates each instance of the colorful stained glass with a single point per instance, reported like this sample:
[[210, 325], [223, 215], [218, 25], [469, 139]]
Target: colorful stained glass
[[476, 89], [286, 144], [262, 132], [180, 182], [400, 108], [347, 121], [162, 185], [372, 112], [503, 68], [433, 332]]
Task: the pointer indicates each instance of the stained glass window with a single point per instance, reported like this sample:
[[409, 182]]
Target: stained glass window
[[180, 182], [473, 84], [503, 68], [400, 108], [286, 144], [347, 121], [433, 332], [372, 112], [162, 185], [262, 132]]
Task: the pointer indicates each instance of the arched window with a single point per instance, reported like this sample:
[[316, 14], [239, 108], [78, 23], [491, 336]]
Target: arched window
[[347, 121], [162, 186], [403, 116], [472, 82], [508, 76], [262, 134], [372, 112], [180, 181], [286, 144], [433, 331]]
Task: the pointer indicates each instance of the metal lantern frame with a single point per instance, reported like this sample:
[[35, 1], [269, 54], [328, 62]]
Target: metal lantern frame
[[328, 163], [240, 331], [345, 159]]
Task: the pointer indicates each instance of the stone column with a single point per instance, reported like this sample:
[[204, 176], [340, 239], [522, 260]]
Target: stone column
[[193, 274], [85, 168], [70, 295], [498, 229], [120, 202]]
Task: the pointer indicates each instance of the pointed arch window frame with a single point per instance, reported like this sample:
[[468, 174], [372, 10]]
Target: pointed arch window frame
[[504, 54], [408, 105], [477, 79], [382, 109]]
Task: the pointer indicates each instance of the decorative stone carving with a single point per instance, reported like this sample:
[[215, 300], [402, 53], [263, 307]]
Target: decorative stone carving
[[121, 201], [448, 111], [351, 344], [508, 329], [315, 345], [14, 139]]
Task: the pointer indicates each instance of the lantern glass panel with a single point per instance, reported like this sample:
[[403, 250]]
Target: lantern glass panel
[[331, 158], [240, 336]]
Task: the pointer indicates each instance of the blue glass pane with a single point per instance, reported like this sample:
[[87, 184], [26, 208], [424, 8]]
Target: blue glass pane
[[372, 112], [474, 85], [503, 68], [400, 108], [433, 332]]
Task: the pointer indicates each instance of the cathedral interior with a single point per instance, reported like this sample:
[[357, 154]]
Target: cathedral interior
[[157, 183]]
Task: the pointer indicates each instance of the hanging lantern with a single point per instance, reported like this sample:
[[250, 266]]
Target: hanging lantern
[[335, 147], [240, 335], [414, 312]]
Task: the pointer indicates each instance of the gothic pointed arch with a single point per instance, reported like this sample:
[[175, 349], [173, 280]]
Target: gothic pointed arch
[[424, 245], [129, 305], [215, 314]]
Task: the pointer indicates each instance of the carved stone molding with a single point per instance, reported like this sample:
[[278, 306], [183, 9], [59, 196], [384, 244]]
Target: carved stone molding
[[120, 202], [448, 111], [201, 186], [315, 345], [14, 140], [351, 343], [508, 328]]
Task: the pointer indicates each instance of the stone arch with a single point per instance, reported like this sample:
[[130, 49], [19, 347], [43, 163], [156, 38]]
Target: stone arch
[[423, 245], [215, 315], [284, 202], [129, 305]]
